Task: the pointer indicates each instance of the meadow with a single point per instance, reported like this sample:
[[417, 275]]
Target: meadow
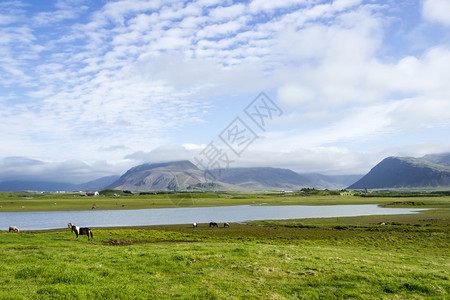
[[336, 258], [25, 201], [371, 257]]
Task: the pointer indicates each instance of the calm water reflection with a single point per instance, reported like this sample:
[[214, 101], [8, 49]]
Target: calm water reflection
[[164, 216]]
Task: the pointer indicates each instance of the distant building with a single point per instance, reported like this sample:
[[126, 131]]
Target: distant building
[[91, 194]]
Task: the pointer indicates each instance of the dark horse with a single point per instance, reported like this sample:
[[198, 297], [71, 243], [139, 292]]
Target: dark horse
[[82, 231], [213, 224]]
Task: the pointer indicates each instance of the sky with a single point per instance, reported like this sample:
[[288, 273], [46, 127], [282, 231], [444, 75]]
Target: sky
[[92, 88]]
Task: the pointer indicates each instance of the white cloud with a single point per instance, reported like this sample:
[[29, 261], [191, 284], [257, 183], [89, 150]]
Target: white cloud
[[344, 4], [72, 171], [437, 11], [292, 95], [130, 76], [6, 19], [164, 153], [257, 6], [217, 30], [227, 12]]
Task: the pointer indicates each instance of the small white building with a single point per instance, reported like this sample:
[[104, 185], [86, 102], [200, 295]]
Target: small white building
[[92, 194]]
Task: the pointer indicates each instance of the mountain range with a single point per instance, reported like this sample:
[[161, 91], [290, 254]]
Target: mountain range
[[429, 171], [184, 175]]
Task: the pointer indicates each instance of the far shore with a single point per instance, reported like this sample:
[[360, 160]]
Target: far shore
[[62, 202]]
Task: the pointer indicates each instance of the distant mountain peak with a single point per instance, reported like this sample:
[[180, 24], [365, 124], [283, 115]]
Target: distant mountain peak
[[180, 164], [173, 175], [404, 172]]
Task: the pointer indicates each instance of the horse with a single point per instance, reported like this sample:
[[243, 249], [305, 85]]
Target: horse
[[226, 224], [213, 224], [13, 228], [82, 231], [194, 225]]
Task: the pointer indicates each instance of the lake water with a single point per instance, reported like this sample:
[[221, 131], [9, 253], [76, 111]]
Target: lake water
[[180, 215]]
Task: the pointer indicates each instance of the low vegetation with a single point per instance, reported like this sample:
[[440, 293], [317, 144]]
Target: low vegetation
[[113, 199], [374, 257]]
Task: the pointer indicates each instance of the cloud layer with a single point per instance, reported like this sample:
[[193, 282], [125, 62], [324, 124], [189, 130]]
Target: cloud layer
[[117, 83]]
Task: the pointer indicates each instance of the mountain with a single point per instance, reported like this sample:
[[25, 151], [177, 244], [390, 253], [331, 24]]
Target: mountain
[[407, 172], [177, 175], [261, 178], [184, 175], [46, 186]]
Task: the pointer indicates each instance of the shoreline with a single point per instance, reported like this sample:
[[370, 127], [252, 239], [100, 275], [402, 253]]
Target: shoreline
[[428, 215], [59, 204]]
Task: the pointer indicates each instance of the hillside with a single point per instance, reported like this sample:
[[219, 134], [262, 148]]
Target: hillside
[[440, 159], [261, 178], [178, 175], [405, 172]]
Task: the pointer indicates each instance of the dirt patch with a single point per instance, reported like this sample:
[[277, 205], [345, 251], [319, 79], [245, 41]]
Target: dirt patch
[[26, 248], [404, 203], [115, 242]]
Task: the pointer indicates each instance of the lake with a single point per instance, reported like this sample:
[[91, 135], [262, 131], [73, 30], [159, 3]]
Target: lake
[[181, 215]]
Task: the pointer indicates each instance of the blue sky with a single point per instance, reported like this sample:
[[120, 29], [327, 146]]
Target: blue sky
[[91, 88]]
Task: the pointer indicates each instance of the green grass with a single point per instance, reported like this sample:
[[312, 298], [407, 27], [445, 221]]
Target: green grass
[[332, 258], [15, 202]]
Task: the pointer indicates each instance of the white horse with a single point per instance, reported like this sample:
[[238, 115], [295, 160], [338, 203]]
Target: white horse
[[82, 231], [13, 228], [194, 225]]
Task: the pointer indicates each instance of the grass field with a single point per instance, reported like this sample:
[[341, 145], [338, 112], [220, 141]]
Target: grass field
[[336, 258], [20, 202], [326, 258]]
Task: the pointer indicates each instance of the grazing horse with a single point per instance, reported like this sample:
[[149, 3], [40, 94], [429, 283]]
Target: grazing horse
[[194, 225], [226, 224], [213, 224], [13, 228], [82, 231]]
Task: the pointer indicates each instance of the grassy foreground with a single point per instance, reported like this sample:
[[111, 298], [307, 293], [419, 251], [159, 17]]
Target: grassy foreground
[[408, 258]]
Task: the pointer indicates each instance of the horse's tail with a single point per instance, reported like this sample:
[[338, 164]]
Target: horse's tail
[[90, 231]]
